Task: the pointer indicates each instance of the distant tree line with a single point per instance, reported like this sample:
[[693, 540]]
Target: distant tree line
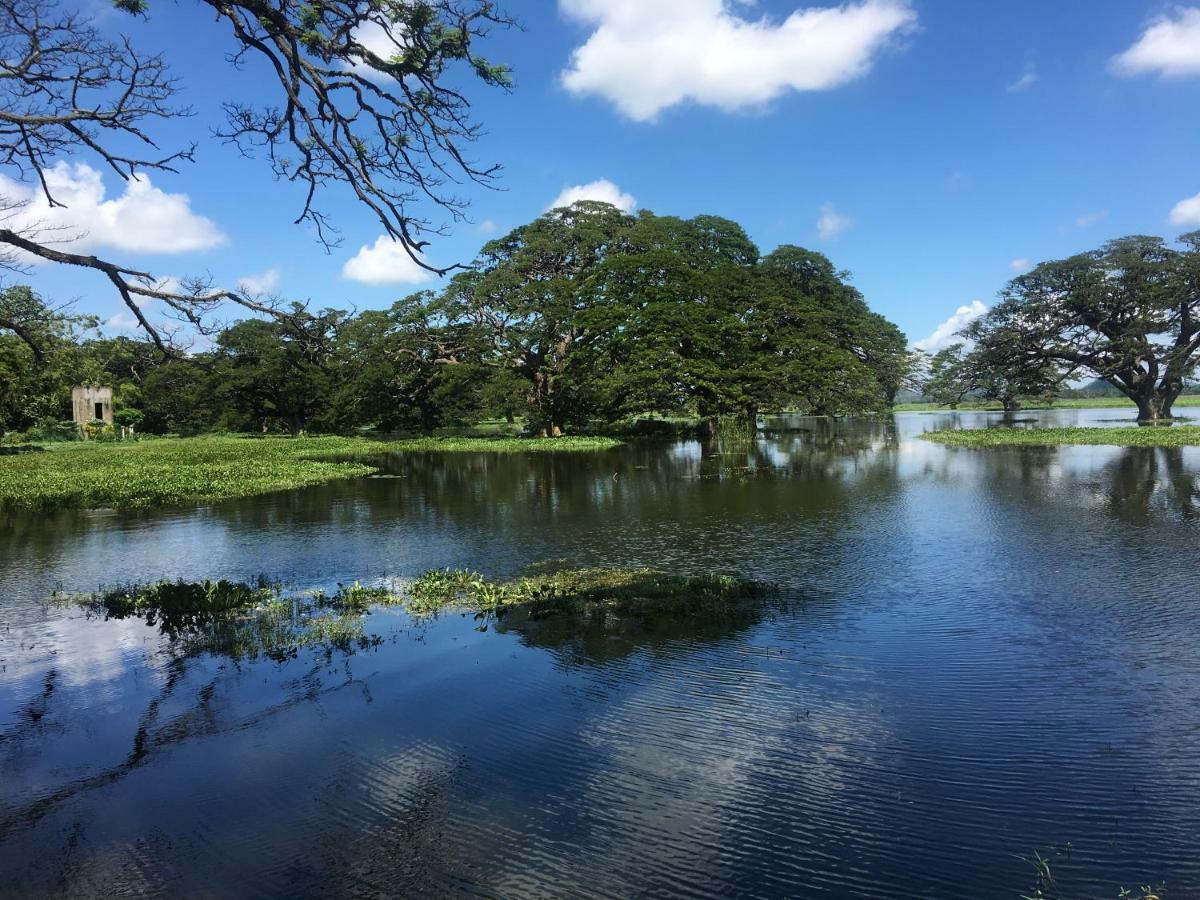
[[1126, 314], [582, 318]]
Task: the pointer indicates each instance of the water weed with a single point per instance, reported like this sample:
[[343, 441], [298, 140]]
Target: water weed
[[168, 471]]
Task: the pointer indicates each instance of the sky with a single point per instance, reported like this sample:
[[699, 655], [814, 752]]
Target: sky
[[932, 148]]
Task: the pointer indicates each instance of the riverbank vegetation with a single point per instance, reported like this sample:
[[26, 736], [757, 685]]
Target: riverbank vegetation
[[163, 471], [247, 621], [581, 319], [1176, 436]]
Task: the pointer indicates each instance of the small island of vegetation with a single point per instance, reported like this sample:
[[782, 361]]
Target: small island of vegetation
[[246, 621]]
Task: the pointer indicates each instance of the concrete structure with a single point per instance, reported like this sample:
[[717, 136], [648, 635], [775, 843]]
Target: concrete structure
[[91, 403]]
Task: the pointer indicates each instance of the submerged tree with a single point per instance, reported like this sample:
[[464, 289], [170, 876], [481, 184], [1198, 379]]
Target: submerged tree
[[366, 102], [1128, 313]]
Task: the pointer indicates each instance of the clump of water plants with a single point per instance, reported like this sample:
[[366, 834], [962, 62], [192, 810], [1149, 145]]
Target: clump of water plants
[[623, 590], [1158, 436], [244, 621], [163, 471]]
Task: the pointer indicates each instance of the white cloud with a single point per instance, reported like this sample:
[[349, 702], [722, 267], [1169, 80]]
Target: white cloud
[[487, 226], [832, 223], [1091, 218], [1186, 213], [1027, 80], [1170, 46], [384, 262], [143, 219], [1020, 265], [263, 283], [122, 321], [947, 333], [645, 56], [602, 189]]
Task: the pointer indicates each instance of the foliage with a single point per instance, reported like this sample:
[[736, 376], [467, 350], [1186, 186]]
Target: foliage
[[1176, 436], [623, 590], [984, 372], [198, 470], [243, 621], [1128, 313], [578, 320]]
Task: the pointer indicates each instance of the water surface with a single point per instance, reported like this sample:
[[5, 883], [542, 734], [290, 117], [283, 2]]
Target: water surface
[[974, 655]]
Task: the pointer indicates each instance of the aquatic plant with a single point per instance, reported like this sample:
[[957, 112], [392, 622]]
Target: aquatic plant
[[165, 471], [243, 621], [624, 590], [1175, 436]]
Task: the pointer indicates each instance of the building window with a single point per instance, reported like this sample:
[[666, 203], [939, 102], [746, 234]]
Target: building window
[[99, 410]]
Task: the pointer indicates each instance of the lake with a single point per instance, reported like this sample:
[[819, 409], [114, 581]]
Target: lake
[[974, 656]]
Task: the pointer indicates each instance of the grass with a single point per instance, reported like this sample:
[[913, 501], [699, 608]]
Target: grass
[[247, 621], [1071, 403], [1152, 436], [162, 471]]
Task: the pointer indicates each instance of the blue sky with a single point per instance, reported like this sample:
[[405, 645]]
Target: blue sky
[[941, 142]]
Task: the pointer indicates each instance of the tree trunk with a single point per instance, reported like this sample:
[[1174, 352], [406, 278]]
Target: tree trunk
[[1155, 406]]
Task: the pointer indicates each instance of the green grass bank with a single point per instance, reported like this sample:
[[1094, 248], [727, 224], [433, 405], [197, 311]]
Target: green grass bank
[[163, 471], [1153, 436]]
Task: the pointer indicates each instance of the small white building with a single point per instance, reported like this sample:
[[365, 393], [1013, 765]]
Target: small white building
[[90, 404]]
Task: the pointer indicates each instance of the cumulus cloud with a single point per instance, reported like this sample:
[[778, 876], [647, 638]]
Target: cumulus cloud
[[1091, 218], [947, 333], [143, 219], [384, 262], [1186, 213], [602, 189], [263, 283], [832, 223], [645, 56], [1170, 47], [1027, 80], [122, 321], [1020, 265]]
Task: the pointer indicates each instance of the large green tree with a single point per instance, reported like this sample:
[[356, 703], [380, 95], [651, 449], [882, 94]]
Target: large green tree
[[670, 329], [858, 359], [1128, 312], [984, 372], [528, 305]]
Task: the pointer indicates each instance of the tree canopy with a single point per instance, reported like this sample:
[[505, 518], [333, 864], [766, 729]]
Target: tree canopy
[[582, 318], [1128, 313]]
